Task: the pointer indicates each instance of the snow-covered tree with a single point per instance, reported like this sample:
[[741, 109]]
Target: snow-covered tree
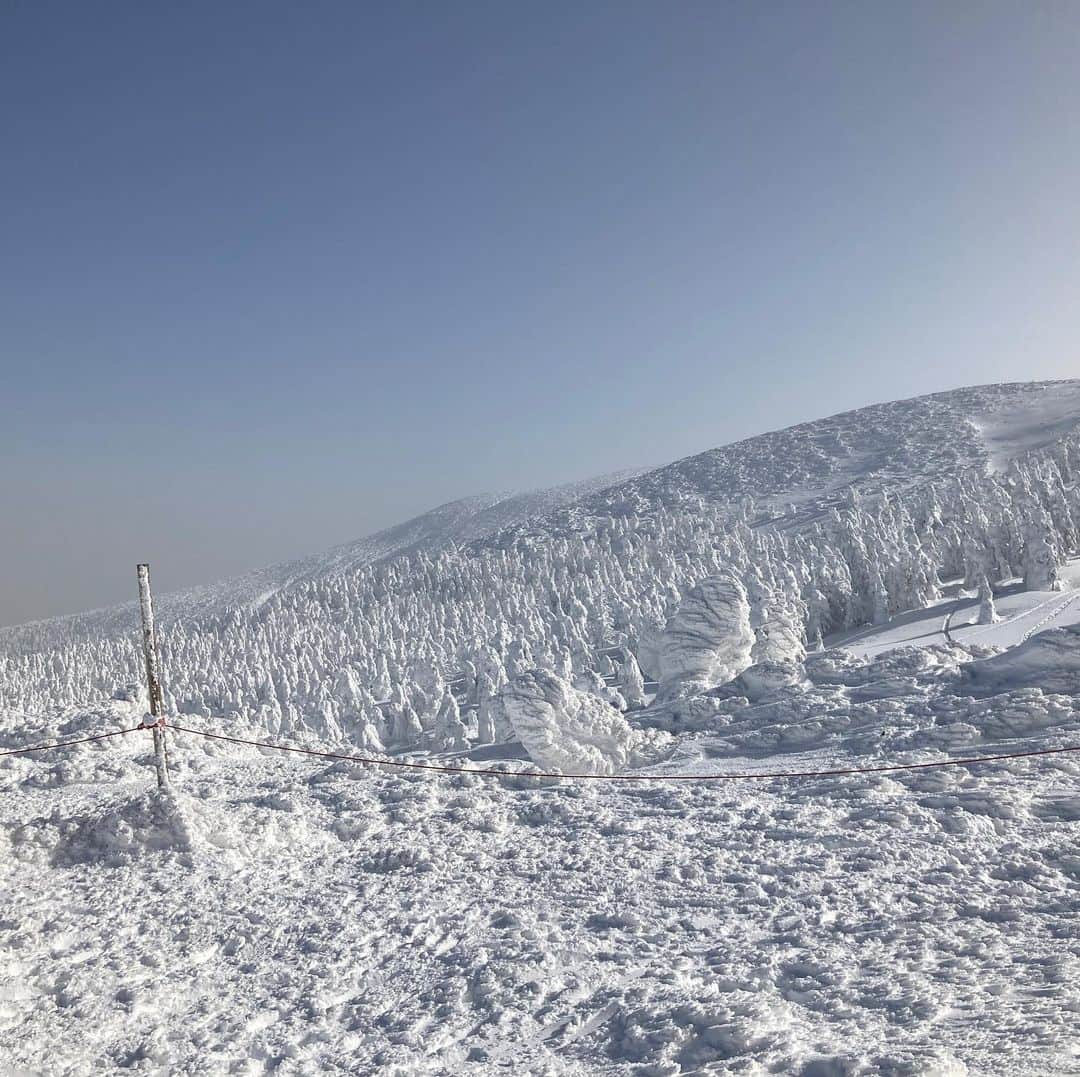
[[449, 733], [632, 682], [1039, 559], [988, 614], [708, 640]]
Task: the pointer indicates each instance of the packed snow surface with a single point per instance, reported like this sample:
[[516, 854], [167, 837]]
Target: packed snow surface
[[1022, 614], [1049, 661], [1016, 426]]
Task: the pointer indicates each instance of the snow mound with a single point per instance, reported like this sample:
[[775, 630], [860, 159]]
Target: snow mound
[[566, 729], [154, 822], [765, 679], [1049, 661], [709, 639]]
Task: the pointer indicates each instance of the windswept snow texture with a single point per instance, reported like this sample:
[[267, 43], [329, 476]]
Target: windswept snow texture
[[1016, 427], [280, 914], [709, 640], [1049, 661]]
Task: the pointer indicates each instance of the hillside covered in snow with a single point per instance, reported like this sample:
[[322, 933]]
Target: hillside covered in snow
[[823, 528], [891, 587]]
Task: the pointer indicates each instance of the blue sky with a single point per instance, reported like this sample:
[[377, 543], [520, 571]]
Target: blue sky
[[277, 275]]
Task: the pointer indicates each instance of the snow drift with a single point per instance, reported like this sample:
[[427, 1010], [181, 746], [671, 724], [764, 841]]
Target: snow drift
[[153, 822], [1049, 661]]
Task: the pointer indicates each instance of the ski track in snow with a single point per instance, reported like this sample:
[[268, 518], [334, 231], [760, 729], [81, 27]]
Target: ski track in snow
[[1023, 614]]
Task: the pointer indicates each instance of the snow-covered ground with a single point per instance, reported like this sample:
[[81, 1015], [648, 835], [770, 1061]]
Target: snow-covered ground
[[1022, 613], [280, 913], [1017, 427]]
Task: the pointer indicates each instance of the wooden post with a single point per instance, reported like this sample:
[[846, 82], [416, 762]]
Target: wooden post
[[153, 676]]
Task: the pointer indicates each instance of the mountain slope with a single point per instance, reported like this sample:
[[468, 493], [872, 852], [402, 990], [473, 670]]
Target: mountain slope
[[456, 522], [829, 524], [883, 447], [346, 918], [877, 448]]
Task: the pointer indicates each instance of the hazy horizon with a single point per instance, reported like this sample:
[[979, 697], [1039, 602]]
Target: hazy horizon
[[614, 475], [278, 278]]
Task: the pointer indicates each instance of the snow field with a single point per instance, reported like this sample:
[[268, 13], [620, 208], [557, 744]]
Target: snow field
[[1023, 614], [328, 922], [277, 914]]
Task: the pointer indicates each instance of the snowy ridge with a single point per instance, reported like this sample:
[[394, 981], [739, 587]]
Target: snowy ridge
[[879, 448], [359, 645]]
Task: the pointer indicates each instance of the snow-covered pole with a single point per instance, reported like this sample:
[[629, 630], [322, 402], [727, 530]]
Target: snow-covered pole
[[153, 676]]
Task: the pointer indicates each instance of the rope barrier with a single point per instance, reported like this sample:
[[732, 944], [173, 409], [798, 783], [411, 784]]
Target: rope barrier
[[576, 776], [78, 740], [487, 773]]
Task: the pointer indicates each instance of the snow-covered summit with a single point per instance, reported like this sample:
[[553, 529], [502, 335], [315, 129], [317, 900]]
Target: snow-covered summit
[[876, 448], [805, 467]]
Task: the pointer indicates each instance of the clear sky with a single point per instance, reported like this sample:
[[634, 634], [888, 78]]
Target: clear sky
[[273, 276]]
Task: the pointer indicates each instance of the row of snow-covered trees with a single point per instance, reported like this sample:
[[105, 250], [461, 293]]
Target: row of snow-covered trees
[[368, 654]]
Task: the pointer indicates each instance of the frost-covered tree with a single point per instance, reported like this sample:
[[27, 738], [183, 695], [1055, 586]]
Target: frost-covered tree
[[988, 614], [778, 641], [708, 640], [631, 682], [564, 728], [1039, 560], [449, 733]]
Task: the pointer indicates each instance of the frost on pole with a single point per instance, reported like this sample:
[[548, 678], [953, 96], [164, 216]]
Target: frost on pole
[[153, 675]]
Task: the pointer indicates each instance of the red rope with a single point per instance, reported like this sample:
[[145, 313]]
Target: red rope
[[80, 740], [624, 777], [401, 764]]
